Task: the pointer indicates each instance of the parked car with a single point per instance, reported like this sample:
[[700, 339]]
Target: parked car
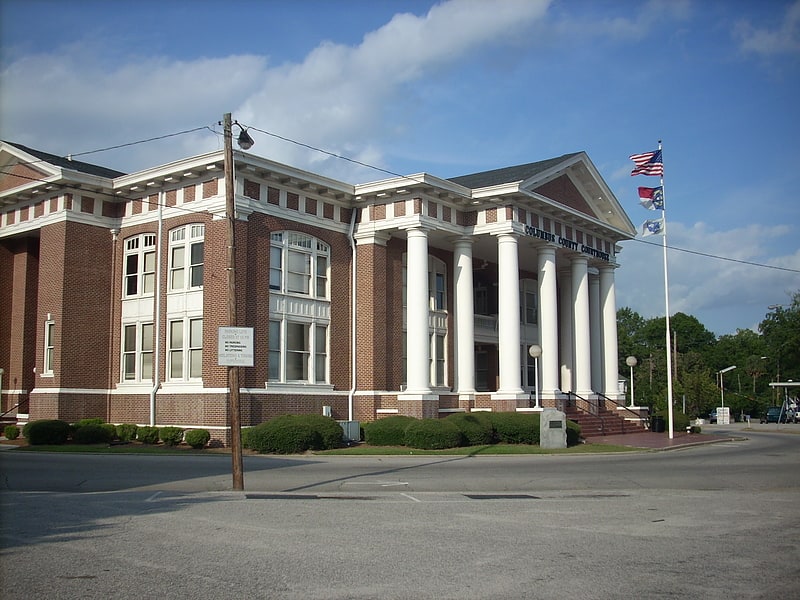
[[712, 416], [775, 414]]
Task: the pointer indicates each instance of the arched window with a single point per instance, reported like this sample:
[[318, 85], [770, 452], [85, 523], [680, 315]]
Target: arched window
[[186, 257], [140, 266], [298, 264], [299, 344]]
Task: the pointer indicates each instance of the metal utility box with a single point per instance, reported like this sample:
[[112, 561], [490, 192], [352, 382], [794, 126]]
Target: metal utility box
[[351, 430]]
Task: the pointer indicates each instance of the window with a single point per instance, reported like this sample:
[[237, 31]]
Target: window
[[140, 265], [299, 264], [291, 359], [137, 352], [438, 360], [186, 257], [49, 346], [186, 349], [528, 306]]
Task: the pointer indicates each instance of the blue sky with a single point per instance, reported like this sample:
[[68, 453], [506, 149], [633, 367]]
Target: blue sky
[[452, 88]]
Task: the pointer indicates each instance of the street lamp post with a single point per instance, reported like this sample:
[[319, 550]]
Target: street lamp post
[[722, 384], [631, 362], [536, 351], [245, 142]]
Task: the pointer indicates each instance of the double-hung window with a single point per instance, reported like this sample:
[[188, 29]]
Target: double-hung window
[[137, 352], [186, 257], [49, 346], [298, 352], [140, 265], [185, 341]]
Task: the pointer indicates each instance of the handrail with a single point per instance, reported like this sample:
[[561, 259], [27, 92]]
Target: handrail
[[591, 408], [620, 405], [17, 405]]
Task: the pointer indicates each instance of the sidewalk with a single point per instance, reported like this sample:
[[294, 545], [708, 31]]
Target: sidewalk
[[680, 439]]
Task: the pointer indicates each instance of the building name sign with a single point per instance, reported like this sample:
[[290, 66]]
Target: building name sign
[[566, 242]]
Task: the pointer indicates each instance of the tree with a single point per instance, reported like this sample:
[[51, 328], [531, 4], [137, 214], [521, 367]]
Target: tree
[[780, 330]]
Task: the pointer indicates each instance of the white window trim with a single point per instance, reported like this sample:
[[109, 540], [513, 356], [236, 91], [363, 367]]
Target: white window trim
[[185, 237], [49, 348]]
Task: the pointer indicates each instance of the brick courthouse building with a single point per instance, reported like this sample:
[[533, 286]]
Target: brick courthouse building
[[413, 295]]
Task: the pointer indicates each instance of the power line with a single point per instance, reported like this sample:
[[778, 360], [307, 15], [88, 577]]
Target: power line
[[726, 258], [152, 139], [363, 164]]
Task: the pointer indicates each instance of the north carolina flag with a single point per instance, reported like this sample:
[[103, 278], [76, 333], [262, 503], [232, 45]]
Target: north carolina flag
[[647, 163], [652, 198], [653, 227]]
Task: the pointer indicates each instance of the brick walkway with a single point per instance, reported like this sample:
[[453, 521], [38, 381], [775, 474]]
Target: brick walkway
[[659, 441]]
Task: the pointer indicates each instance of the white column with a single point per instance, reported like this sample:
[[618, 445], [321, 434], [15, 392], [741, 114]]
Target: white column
[[608, 309], [464, 318], [508, 322], [417, 343], [580, 307], [548, 320], [567, 346], [595, 330]]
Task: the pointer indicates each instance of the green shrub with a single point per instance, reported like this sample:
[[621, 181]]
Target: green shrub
[[389, 431], [573, 433], [246, 431], [197, 438], [283, 435], [11, 432], [330, 432], [126, 432], [92, 434], [171, 436], [89, 421], [46, 431], [694, 429], [516, 428], [292, 434], [147, 434], [476, 428], [433, 434], [680, 421]]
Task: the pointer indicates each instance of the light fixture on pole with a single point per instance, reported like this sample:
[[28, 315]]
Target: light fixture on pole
[[536, 351], [722, 384], [246, 142], [631, 362]]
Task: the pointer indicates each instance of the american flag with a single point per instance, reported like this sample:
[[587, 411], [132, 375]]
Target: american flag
[[647, 163]]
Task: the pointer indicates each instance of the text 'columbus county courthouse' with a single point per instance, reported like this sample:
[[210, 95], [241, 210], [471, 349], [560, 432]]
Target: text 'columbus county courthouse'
[[412, 295]]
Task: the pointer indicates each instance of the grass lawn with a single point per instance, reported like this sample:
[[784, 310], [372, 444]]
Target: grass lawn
[[359, 450]]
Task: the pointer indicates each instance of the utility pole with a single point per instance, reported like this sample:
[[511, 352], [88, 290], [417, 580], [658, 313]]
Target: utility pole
[[233, 372]]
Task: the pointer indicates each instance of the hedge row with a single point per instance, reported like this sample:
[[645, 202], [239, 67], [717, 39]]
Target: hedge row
[[292, 434], [460, 429], [96, 431]]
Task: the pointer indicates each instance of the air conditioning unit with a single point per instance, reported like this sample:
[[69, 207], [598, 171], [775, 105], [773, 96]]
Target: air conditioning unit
[[351, 430]]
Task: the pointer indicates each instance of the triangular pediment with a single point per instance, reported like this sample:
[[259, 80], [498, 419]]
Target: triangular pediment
[[25, 172], [20, 170], [569, 184]]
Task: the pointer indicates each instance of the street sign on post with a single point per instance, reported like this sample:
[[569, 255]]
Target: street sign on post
[[235, 347]]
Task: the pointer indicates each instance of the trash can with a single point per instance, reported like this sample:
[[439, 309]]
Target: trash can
[[657, 424]]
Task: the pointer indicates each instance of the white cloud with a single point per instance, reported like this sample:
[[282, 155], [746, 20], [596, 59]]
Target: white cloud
[[723, 294], [784, 39], [73, 100]]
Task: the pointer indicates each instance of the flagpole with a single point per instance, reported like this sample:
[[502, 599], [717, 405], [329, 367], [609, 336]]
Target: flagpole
[[666, 301]]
